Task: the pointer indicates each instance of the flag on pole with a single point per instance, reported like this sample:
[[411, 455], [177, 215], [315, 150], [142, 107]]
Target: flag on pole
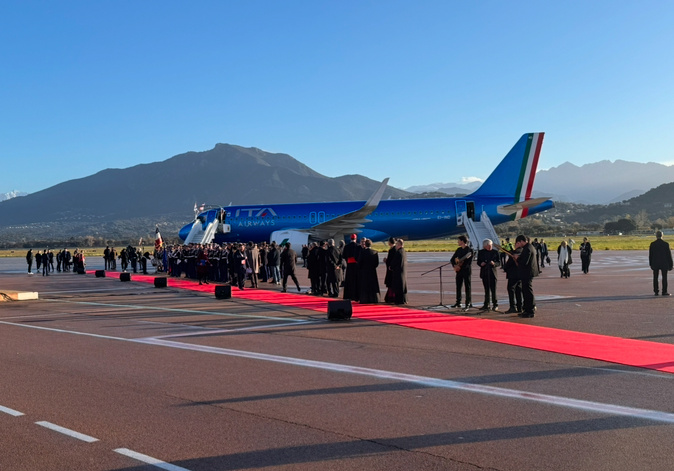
[[157, 239]]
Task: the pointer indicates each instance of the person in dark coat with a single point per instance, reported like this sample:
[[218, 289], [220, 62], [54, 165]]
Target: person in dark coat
[[45, 263], [333, 267], [660, 261], [461, 261], [264, 272], [203, 266], [232, 265], [289, 264], [488, 259], [29, 260], [350, 254], [274, 262], [133, 258], [514, 283], [124, 259], [322, 268], [368, 280], [585, 255], [387, 262], [311, 262], [398, 277], [305, 254], [527, 265], [240, 262]]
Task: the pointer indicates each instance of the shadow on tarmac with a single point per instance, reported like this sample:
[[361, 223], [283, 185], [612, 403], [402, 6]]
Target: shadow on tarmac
[[326, 452]]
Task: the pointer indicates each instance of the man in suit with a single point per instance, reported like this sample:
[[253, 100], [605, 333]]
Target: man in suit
[[334, 266], [461, 261], [288, 262], [527, 265], [660, 261], [29, 260], [240, 263], [488, 259]]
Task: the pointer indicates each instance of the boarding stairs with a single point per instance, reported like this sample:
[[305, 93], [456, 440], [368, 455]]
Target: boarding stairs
[[480, 230], [205, 227]]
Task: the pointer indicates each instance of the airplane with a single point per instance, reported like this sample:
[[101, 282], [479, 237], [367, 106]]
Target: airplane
[[504, 196]]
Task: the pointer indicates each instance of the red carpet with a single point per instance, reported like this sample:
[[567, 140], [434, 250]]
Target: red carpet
[[638, 353]]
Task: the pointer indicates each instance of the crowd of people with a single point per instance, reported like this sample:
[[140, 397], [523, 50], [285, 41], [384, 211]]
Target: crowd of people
[[330, 267], [521, 263], [353, 266], [65, 261]]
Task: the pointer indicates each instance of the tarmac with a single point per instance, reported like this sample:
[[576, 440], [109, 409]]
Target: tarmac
[[99, 374]]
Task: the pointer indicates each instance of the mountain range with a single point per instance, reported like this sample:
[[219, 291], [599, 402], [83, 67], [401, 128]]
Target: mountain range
[[115, 202], [165, 192], [603, 182]]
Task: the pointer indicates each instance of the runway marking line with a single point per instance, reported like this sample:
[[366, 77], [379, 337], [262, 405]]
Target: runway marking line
[[559, 401], [12, 412], [636, 353], [165, 309], [89, 439], [67, 431], [149, 460]]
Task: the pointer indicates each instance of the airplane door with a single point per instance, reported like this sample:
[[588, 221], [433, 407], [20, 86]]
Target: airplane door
[[470, 210], [460, 209]]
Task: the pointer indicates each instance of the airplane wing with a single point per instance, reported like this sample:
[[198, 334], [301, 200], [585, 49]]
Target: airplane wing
[[349, 223], [513, 208]]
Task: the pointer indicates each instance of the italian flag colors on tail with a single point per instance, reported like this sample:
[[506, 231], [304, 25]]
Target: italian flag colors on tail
[[528, 170]]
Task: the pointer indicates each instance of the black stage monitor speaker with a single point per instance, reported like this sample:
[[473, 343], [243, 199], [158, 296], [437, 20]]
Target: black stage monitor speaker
[[160, 282], [125, 277], [339, 310], [223, 292], [100, 273]]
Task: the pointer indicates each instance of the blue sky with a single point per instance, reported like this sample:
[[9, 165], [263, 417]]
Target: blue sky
[[421, 91]]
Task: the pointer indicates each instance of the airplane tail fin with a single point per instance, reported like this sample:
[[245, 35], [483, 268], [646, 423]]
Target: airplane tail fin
[[514, 176]]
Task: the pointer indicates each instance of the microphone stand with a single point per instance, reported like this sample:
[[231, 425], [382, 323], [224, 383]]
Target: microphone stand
[[440, 270]]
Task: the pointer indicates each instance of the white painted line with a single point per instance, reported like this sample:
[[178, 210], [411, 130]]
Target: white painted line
[[149, 460], [12, 412], [559, 401], [209, 331], [67, 431], [589, 406], [94, 290], [189, 311], [72, 332]]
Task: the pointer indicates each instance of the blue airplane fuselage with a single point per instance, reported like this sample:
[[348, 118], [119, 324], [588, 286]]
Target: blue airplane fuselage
[[504, 196]]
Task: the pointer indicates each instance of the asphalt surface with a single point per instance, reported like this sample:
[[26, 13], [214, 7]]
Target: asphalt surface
[[103, 375]]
